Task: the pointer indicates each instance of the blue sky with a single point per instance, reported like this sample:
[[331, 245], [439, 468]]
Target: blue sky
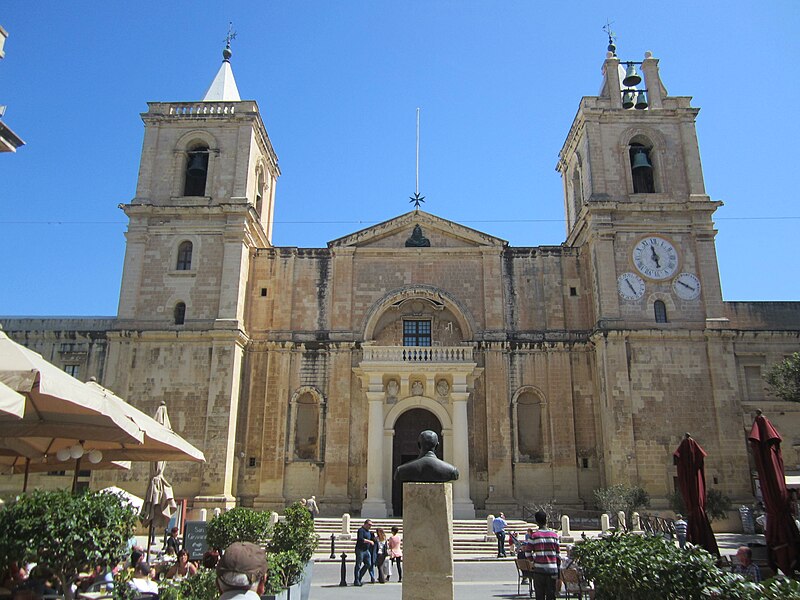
[[338, 84]]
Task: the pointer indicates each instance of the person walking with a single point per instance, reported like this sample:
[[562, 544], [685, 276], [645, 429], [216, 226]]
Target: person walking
[[545, 555], [384, 566], [499, 528], [364, 545], [311, 505], [680, 530], [396, 552]]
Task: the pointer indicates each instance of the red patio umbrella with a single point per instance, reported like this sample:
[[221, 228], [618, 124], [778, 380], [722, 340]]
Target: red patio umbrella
[[690, 458], [783, 538]]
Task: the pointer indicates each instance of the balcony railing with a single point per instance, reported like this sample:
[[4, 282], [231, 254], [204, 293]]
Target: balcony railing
[[418, 354]]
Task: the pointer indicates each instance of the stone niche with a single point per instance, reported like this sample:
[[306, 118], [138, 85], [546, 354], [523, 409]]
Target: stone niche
[[445, 328]]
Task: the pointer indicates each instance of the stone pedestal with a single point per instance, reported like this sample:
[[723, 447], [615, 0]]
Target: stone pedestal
[[427, 541]]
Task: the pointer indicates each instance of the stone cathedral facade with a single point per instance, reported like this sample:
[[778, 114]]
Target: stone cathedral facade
[[548, 371]]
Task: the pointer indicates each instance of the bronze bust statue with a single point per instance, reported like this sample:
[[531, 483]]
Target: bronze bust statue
[[427, 468]]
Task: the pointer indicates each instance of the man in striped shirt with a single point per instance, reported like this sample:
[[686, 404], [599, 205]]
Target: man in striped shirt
[[680, 530], [545, 550]]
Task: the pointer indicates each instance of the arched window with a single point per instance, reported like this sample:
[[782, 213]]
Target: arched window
[[196, 172], [530, 445], [660, 310], [179, 313], [642, 169], [577, 189], [305, 425], [260, 193], [184, 262]]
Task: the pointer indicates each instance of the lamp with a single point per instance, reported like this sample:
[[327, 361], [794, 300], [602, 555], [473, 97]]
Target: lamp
[[95, 456], [63, 454], [76, 451]]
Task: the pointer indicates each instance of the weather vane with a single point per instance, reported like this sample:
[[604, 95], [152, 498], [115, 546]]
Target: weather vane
[[612, 37], [231, 35], [416, 198]]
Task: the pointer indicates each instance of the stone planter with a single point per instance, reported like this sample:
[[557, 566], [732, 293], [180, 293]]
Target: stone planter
[[305, 582], [290, 593]]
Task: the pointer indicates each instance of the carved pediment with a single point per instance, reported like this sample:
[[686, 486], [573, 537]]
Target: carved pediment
[[417, 229]]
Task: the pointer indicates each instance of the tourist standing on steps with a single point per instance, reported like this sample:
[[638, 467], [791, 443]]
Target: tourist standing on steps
[[545, 555], [680, 530], [364, 545], [395, 552], [499, 528], [311, 505]]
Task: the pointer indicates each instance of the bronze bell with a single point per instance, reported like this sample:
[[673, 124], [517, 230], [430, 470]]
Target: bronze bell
[[197, 164], [641, 101], [640, 160], [627, 98], [631, 77]]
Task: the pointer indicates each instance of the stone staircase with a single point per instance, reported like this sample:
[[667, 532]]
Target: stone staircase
[[469, 536]]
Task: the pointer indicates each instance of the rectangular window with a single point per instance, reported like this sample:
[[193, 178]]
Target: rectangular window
[[754, 383], [416, 333], [73, 370]]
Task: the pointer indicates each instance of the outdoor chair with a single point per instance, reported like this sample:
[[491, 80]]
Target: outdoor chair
[[98, 591], [524, 572], [573, 585]]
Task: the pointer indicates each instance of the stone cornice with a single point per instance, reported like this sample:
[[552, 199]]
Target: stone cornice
[[414, 217], [236, 336]]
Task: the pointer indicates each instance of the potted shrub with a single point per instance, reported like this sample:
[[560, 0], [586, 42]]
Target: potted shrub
[[285, 574], [295, 534], [238, 525], [65, 533]]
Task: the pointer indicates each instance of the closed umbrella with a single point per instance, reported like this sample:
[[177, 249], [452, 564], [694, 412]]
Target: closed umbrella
[[690, 460], [783, 538], [159, 500]]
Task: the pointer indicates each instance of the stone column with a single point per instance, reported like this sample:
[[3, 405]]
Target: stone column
[[428, 532], [375, 506], [463, 508]]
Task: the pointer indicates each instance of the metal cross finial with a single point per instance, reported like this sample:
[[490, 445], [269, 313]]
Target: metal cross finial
[[231, 35], [612, 37]]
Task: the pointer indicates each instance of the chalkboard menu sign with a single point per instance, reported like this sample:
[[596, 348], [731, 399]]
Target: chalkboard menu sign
[[194, 539]]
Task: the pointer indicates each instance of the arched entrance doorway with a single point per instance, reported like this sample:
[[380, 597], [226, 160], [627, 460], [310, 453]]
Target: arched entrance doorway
[[406, 431]]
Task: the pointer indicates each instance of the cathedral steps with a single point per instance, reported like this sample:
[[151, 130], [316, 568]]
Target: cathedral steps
[[470, 539]]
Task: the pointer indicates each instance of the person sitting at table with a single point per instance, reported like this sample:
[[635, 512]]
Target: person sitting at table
[[173, 544], [746, 567], [182, 567], [17, 575], [141, 581]]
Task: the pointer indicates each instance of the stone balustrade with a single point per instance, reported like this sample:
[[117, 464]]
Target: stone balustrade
[[418, 354], [201, 109]]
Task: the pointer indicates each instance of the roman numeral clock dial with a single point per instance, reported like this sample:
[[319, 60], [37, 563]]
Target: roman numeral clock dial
[[655, 258]]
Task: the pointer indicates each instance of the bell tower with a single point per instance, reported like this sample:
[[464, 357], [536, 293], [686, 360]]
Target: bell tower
[[638, 213], [204, 203], [635, 200], [205, 196]]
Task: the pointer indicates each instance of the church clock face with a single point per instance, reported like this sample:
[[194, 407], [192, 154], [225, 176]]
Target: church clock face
[[655, 257], [630, 286], [687, 286]]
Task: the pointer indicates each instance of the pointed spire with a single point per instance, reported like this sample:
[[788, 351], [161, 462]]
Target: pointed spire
[[223, 88]]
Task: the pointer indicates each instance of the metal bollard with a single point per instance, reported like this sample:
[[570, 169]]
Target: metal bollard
[[343, 582], [333, 546]]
